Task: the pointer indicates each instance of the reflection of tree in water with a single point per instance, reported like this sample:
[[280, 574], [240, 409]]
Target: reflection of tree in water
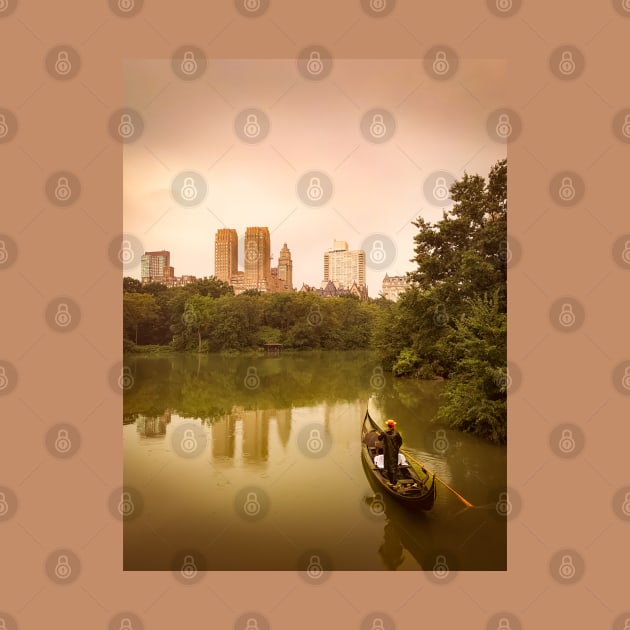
[[211, 385]]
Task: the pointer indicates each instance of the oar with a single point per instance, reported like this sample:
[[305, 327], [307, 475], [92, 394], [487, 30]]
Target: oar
[[459, 496]]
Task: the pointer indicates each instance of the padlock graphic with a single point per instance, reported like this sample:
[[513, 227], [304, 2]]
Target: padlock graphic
[[504, 126], [4, 5], [63, 570], [315, 191], [626, 625], [125, 624], [252, 5], [625, 507], [504, 506], [567, 189], [189, 63], [504, 624], [3, 624], [440, 316], [125, 380], [625, 254], [4, 128], [440, 189], [314, 316], [4, 506], [4, 379], [189, 568], [252, 624], [440, 442], [567, 63], [625, 129], [378, 624], [189, 190], [252, 504], [126, 127], [378, 505], [625, 381], [508, 379], [315, 569], [378, 253], [252, 381], [378, 5], [126, 254], [314, 64], [567, 441], [567, 568], [63, 192], [504, 5], [62, 316], [440, 63], [440, 568], [377, 126], [4, 254], [506, 252], [63, 443], [189, 441], [126, 506], [377, 381], [566, 316], [252, 126], [63, 65], [126, 5], [315, 443]]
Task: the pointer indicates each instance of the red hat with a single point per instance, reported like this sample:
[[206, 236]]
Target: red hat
[[390, 423]]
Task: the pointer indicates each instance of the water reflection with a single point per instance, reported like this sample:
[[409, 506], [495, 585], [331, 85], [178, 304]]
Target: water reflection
[[253, 439]]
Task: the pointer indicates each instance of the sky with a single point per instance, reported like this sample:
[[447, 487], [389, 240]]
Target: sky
[[434, 128]]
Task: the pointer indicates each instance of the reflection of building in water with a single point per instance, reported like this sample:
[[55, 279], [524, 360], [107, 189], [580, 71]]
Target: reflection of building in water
[[246, 433], [151, 426], [283, 422], [256, 435], [223, 437]]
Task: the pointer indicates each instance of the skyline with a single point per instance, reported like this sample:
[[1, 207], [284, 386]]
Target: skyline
[[370, 190]]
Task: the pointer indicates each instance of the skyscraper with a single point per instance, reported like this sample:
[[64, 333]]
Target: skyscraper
[[225, 254], [285, 269], [344, 267], [257, 259]]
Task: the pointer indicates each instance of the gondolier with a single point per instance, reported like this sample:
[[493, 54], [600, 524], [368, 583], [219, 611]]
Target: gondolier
[[392, 441], [414, 488]]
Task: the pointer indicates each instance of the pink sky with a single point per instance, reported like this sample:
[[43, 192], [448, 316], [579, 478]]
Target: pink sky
[[314, 125]]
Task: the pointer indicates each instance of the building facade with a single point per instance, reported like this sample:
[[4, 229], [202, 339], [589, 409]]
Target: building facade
[[257, 259], [344, 267], [393, 286], [285, 270], [225, 254], [155, 266]]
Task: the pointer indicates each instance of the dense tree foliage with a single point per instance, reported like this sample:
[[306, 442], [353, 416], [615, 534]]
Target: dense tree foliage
[[452, 322], [208, 317]]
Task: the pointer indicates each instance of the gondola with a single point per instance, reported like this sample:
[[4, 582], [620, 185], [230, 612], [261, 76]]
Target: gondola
[[414, 489]]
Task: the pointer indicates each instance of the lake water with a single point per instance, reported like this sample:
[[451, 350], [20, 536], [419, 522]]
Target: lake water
[[254, 463]]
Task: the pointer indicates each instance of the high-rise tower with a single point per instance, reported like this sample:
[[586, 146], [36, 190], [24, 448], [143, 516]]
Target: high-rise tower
[[285, 269], [257, 259], [344, 267], [225, 254]]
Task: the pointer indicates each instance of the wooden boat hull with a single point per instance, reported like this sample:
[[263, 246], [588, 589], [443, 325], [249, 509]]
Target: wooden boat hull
[[414, 489]]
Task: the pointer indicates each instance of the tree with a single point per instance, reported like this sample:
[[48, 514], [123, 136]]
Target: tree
[[139, 309]]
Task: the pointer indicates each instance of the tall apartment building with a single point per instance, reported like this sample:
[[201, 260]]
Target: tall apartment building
[[156, 266], [257, 259], [344, 267], [285, 270], [225, 254]]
